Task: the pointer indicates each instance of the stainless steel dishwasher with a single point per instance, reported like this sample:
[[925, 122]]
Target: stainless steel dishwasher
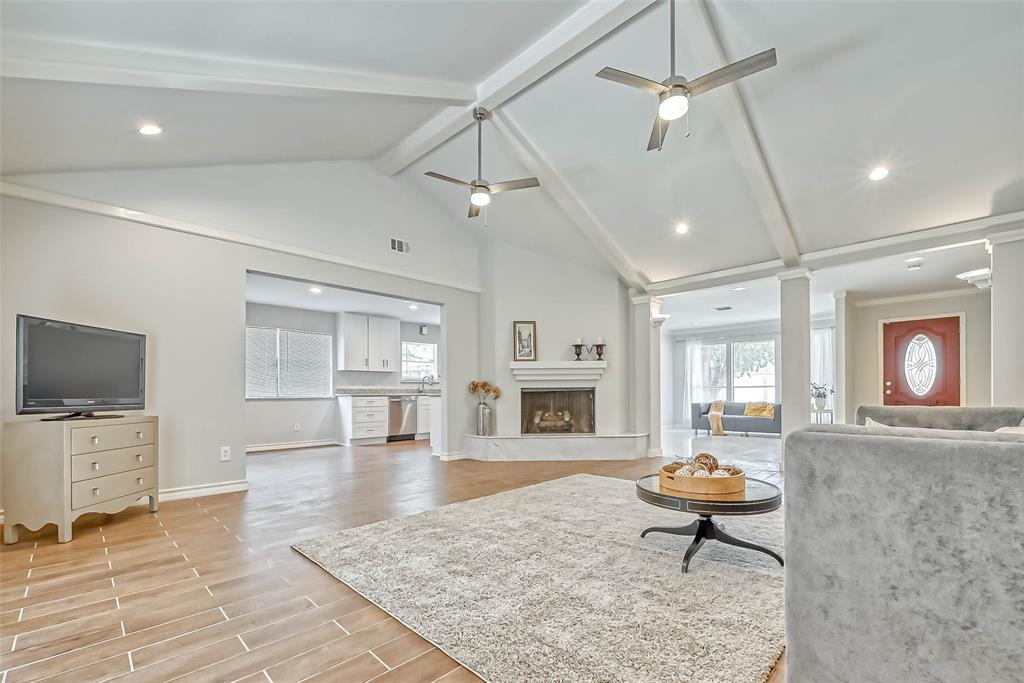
[[401, 418]]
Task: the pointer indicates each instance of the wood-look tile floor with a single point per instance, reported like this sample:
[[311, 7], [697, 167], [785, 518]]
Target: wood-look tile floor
[[209, 589]]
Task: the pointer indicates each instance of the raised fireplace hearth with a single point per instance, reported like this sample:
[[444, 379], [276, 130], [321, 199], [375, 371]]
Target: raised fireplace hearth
[[557, 411]]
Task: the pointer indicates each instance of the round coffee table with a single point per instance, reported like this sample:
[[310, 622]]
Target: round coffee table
[[758, 498]]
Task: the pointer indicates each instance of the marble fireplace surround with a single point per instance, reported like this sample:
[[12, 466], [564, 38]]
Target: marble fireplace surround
[[553, 375]]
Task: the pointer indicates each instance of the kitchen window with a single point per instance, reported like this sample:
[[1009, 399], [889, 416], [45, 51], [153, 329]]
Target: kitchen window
[[419, 360], [283, 363]]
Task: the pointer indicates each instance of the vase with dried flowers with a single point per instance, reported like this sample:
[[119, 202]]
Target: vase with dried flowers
[[484, 415]]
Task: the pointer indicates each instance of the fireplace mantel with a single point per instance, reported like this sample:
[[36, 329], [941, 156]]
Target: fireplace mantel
[[558, 371]]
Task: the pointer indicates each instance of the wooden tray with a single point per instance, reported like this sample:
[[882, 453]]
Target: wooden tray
[[706, 485]]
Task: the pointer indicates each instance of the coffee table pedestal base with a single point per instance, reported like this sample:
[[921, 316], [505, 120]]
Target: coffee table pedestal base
[[703, 529]]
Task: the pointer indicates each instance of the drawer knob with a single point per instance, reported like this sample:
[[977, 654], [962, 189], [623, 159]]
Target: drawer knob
[[95, 440], [138, 457], [138, 435], [138, 480], [96, 467], [95, 492]]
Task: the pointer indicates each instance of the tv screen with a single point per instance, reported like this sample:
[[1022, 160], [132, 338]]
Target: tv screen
[[68, 367]]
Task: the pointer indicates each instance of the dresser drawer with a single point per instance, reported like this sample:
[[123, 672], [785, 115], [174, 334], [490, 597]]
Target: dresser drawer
[[86, 493], [109, 437], [92, 465], [369, 402], [365, 415], [363, 431]]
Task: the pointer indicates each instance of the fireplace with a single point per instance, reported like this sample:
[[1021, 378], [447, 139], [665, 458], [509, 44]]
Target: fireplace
[[557, 411]]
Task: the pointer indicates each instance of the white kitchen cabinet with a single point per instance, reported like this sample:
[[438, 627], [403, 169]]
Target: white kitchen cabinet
[[364, 419], [353, 341], [424, 405], [369, 343], [385, 344]]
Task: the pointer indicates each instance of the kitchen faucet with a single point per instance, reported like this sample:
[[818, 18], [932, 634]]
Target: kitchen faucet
[[429, 379]]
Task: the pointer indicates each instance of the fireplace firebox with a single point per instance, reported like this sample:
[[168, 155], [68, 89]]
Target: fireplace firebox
[[557, 411]]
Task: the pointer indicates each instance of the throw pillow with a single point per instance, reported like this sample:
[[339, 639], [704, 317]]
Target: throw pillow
[[1010, 430], [759, 409], [1022, 422]]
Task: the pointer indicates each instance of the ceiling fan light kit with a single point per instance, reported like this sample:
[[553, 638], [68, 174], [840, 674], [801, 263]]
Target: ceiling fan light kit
[[480, 190], [674, 92]]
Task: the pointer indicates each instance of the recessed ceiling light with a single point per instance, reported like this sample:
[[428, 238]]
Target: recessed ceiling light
[[315, 290], [878, 173], [913, 259], [413, 307], [914, 266], [682, 228], [738, 289], [723, 308], [151, 129]]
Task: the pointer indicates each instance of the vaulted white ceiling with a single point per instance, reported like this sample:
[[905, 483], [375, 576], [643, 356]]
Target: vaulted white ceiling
[[773, 168]]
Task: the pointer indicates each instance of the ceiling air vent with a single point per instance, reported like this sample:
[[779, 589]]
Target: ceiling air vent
[[401, 246], [723, 308]]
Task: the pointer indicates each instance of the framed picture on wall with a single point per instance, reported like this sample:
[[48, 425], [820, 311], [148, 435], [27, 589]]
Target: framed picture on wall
[[524, 340]]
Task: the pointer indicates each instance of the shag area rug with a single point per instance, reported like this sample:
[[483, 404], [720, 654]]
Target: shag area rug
[[552, 582]]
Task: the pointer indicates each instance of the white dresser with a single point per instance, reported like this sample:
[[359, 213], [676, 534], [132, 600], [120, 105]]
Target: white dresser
[[364, 419], [55, 472]]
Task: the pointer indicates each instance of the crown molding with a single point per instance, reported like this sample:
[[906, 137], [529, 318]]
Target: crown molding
[[79, 62], [1005, 237], [795, 274], [918, 297], [156, 221]]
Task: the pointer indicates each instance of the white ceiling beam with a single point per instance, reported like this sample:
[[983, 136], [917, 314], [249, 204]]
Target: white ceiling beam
[[734, 114], [583, 28], [56, 60], [568, 201], [929, 239]]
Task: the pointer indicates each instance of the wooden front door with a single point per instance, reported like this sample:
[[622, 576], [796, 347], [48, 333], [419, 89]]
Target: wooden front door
[[921, 362]]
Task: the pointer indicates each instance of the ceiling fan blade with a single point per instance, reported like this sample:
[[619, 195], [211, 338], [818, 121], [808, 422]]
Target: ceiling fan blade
[[631, 80], [733, 72], [520, 184], [445, 178], [658, 134], [474, 210]]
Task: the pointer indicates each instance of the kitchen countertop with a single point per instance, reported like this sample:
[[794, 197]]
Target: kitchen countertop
[[385, 391]]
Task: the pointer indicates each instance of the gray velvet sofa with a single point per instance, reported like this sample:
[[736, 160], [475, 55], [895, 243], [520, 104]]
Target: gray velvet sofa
[[905, 549], [733, 419], [980, 419]]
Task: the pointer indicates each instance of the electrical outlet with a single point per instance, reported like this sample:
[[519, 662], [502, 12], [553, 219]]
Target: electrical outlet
[[297, 427], [225, 453]]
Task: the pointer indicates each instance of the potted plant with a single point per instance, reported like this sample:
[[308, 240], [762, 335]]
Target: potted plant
[[820, 394], [484, 414]]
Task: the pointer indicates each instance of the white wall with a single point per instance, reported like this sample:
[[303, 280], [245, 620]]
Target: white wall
[[567, 301], [272, 421], [863, 375], [345, 208], [187, 294]]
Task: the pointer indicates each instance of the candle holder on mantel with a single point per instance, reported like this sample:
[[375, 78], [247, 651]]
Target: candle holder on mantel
[[578, 349], [599, 348]]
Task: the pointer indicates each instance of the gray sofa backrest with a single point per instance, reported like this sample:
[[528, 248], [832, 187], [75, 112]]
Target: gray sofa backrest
[[904, 555], [980, 419]]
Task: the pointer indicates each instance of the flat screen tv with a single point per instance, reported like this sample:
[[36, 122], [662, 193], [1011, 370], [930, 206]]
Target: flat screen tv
[[66, 367]]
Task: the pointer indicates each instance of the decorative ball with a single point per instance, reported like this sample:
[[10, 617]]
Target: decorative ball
[[732, 470], [720, 473], [706, 461], [687, 470], [700, 473]]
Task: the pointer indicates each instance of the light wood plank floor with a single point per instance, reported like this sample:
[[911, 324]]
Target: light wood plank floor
[[210, 590]]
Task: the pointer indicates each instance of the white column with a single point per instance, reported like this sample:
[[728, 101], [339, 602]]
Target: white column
[[646, 378], [795, 357], [839, 411], [1007, 251]]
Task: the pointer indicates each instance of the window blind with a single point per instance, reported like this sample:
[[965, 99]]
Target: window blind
[[304, 364], [260, 362], [287, 363]]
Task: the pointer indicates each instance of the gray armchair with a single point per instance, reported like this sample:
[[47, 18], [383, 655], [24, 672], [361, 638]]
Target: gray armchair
[[905, 551]]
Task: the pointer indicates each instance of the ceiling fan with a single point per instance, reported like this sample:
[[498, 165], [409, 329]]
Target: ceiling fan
[[674, 92], [480, 190]]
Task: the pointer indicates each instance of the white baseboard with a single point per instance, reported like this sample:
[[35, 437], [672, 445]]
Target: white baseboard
[[289, 446], [457, 455], [203, 490]]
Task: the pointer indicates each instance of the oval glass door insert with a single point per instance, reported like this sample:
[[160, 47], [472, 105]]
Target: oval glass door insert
[[919, 365]]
